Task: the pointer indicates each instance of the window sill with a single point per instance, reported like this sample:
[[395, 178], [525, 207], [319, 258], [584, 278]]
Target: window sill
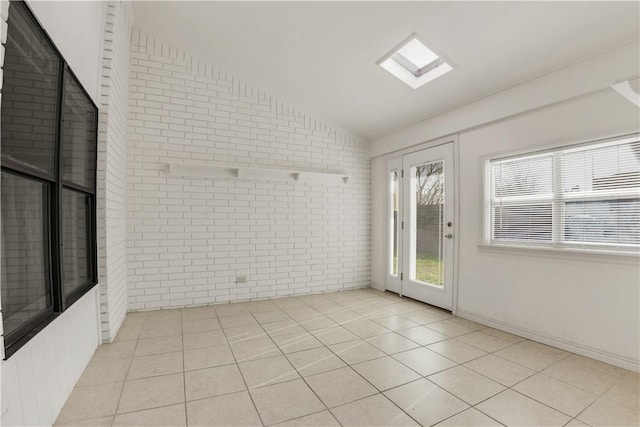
[[609, 257], [17, 344]]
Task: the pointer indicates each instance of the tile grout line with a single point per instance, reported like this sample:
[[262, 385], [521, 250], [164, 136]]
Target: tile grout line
[[536, 372], [541, 372], [364, 339], [301, 377], [311, 388], [358, 373], [132, 358], [303, 416], [255, 407], [144, 320], [348, 365], [461, 364], [184, 372], [332, 309]]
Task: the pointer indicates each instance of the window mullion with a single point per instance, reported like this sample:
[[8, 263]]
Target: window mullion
[[557, 208], [489, 203], [626, 193], [56, 218]]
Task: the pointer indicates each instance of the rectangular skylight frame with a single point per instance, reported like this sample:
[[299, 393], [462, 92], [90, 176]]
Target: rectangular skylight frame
[[407, 71], [406, 63]]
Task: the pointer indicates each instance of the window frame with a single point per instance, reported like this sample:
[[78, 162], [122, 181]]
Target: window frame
[[55, 184], [558, 197], [25, 330], [77, 188]]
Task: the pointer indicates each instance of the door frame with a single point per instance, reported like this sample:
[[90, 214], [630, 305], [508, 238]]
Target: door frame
[[452, 139], [393, 283], [440, 296]]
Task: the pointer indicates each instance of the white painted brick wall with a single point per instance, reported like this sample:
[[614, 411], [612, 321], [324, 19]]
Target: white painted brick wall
[[112, 155], [188, 239]]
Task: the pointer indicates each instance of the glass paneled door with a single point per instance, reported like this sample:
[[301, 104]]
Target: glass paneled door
[[394, 225], [420, 235]]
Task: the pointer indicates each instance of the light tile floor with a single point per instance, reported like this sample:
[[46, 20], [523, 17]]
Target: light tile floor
[[358, 357]]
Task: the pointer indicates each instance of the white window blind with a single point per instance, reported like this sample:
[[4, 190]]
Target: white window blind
[[585, 196]]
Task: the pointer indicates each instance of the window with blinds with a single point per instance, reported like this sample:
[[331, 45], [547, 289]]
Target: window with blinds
[[583, 196]]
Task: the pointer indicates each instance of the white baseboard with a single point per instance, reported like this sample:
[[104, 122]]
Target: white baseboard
[[593, 353], [377, 286]]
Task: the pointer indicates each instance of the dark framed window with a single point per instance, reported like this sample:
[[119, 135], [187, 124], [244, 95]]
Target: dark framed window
[[48, 182]]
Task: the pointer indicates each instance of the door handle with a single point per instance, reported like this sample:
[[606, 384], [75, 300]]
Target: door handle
[[448, 236]]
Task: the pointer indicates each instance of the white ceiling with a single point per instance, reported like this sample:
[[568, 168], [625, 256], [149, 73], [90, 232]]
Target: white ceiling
[[320, 56]]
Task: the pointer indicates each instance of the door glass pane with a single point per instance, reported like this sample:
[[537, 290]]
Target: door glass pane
[[25, 284], [429, 223], [394, 180], [75, 235], [78, 135], [29, 94]]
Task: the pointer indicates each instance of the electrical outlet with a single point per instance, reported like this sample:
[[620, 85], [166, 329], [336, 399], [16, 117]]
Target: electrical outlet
[[241, 279]]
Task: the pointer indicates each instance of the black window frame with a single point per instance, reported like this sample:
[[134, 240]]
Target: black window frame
[[53, 226]]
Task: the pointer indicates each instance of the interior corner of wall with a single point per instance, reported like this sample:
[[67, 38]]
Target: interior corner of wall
[[377, 286], [98, 313]]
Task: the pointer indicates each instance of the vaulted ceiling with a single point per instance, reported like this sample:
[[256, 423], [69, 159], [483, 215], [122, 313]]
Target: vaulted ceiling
[[320, 56]]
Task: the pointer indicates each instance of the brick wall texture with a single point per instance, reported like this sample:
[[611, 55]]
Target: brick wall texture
[[189, 239], [112, 168]]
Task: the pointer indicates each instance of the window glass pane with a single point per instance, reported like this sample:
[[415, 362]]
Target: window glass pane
[[394, 179], [522, 177], [602, 167], [429, 223], [607, 221], [76, 254], [594, 201], [29, 93], [78, 135], [25, 284], [526, 222]]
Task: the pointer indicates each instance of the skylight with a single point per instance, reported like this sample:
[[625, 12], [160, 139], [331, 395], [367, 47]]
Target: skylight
[[414, 63]]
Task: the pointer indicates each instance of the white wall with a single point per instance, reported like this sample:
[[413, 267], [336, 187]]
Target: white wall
[[112, 168], [76, 27], [584, 303], [575, 80], [38, 378], [188, 239]]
